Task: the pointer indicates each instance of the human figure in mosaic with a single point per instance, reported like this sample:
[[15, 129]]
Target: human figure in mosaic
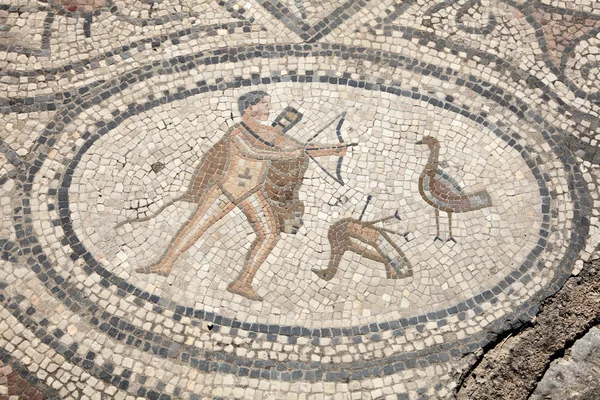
[[254, 167]]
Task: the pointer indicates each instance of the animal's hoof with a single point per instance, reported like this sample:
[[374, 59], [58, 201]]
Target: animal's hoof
[[438, 238], [323, 274], [406, 237], [450, 240]]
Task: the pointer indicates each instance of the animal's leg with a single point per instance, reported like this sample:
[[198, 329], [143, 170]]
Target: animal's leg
[[191, 232], [338, 252], [365, 252], [339, 244], [391, 265], [404, 235], [379, 256], [266, 227], [451, 238], [332, 267], [400, 259], [437, 226]]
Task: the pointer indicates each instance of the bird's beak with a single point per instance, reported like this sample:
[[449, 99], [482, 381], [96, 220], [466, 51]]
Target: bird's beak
[[419, 142]]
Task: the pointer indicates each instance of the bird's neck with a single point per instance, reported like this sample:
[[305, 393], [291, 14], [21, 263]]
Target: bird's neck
[[432, 162]]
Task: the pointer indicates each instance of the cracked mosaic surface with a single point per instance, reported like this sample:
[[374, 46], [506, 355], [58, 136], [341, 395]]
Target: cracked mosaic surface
[[286, 199]]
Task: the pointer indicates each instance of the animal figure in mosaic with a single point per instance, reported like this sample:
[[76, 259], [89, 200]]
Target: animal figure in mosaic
[[443, 193], [369, 241], [258, 169]]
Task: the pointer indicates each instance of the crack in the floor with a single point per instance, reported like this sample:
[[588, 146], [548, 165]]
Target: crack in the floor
[[562, 352], [513, 365]]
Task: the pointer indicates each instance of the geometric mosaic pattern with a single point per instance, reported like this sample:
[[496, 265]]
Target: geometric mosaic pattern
[[286, 199]]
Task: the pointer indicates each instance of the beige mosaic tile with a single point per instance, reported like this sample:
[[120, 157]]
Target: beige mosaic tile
[[285, 199]]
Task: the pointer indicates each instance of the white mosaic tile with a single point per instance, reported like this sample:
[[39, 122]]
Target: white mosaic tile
[[285, 199]]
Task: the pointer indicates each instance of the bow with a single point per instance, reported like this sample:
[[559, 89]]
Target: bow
[[338, 131]]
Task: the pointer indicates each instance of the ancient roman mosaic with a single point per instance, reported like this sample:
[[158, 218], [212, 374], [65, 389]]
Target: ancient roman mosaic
[[286, 199]]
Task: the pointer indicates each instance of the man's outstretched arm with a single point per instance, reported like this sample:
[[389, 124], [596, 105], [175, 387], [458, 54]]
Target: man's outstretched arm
[[286, 150], [247, 146]]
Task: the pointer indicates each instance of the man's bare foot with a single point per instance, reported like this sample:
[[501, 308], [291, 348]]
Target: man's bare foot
[[243, 289], [157, 269]]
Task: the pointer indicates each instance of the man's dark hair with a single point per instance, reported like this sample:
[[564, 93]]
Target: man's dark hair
[[250, 99]]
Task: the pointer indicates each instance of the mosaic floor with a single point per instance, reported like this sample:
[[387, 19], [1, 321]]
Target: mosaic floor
[[276, 199]]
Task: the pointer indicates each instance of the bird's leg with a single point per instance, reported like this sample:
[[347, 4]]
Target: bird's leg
[[437, 226], [451, 238]]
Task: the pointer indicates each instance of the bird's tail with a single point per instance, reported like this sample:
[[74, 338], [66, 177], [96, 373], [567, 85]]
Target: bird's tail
[[480, 199], [129, 221]]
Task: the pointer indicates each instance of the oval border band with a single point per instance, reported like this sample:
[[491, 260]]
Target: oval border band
[[64, 290], [472, 303]]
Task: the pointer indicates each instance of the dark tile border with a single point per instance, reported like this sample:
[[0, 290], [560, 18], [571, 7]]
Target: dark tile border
[[61, 202], [585, 150], [220, 361], [44, 49], [47, 391], [555, 138], [313, 33]]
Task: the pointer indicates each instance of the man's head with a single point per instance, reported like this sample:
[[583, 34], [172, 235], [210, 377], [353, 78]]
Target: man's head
[[256, 104]]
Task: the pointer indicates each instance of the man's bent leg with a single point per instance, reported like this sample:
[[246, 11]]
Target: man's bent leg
[[266, 226], [192, 230]]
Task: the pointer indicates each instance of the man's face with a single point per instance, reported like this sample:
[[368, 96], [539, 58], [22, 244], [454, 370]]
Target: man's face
[[260, 111]]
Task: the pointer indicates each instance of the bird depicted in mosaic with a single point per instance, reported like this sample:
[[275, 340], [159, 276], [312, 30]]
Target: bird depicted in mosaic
[[443, 193]]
